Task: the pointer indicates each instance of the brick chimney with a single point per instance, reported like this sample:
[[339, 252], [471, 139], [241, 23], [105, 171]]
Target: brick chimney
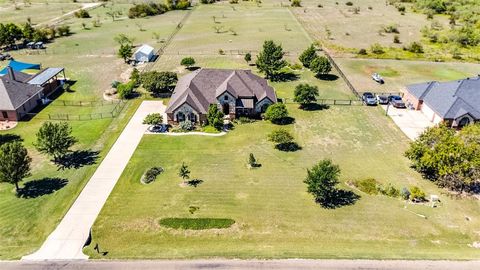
[[11, 75]]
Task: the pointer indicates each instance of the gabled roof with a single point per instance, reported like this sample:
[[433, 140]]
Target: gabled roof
[[146, 49], [201, 88], [450, 100], [14, 91]]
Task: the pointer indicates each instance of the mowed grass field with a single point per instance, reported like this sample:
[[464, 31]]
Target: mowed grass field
[[88, 56], [398, 73], [274, 215]]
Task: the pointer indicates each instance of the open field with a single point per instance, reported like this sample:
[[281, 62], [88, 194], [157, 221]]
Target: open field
[[274, 216], [398, 74], [360, 30], [88, 56]]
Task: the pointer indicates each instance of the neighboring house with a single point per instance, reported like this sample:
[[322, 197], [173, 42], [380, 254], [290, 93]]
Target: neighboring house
[[456, 103], [20, 93], [144, 54], [235, 92]]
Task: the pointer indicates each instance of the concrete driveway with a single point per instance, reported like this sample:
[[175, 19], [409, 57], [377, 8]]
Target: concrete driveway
[[411, 122], [67, 240]]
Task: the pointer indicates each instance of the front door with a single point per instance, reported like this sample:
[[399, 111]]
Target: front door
[[226, 108]]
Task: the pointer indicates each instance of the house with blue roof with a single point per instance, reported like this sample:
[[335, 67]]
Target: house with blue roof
[[455, 103]]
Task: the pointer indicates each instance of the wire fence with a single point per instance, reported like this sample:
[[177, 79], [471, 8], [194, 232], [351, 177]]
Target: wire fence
[[329, 101], [344, 77], [84, 103], [161, 50], [114, 112]]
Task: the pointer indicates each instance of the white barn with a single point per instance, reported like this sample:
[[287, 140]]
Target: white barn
[[144, 54]]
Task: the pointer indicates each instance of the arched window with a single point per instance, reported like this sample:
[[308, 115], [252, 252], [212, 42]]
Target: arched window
[[463, 122], [180, 117]]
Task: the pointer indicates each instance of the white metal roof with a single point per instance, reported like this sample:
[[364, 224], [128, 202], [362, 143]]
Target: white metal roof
[[45, 75], [146, 49]]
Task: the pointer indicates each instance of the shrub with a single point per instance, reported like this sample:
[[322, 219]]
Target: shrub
[[126, 90], [415, 47], [63, 30], [368, 185], [215, 117], [277, 113], [362, 52], [115, 84], [151, 174], [417, 194], [283, 140], [146, 9], [405, 193], [233, 1], [349, 3], [153, 119], [187, 125], [392, 28], [197, 223], [188, 62], [391, 191], [82, 14], [396, 39], [377, 49], [296, 3]]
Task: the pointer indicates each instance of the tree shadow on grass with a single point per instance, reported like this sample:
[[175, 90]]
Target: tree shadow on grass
[[327, 77], [6, 138], [284, 121], [339, 199], [37, 188], [77, 159], [194, 182], [315, 107], [288, 147], [286, 77]]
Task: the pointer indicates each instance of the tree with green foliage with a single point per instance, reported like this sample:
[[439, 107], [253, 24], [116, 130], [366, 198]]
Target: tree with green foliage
[[14, 163], [270, 60], [123, 39], [277, 113], [448, 158], [215, 117], [308, 56], [188, 62], [28, 31], [158, 81], [320, 65], [321, 182], [416, 194], [184, 172], [126, 90], [154, 119], [135, 77], [283, 140], [248, 58], [305, 94], [55, 139], [125, 52]]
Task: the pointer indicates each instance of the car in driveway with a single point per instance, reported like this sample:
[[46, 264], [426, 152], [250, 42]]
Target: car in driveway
[[382, 99], [369, 99], [376, 77], [158, 128], [396, 101]]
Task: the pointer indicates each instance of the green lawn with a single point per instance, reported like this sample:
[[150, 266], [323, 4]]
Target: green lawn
[[274, 216], [89, 59]]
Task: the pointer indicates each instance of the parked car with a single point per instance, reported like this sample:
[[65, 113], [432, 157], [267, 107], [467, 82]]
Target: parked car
[[396, 101], [376, 77], [382, 99], [369, 99], [158, 129]]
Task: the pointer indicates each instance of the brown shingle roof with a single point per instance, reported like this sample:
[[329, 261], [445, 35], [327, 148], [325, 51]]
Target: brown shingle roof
[[202, 87], [15, 92]]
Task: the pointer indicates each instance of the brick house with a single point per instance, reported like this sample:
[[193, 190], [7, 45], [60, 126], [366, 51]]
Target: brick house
[[456, 103], [235, 92], [20, 93]]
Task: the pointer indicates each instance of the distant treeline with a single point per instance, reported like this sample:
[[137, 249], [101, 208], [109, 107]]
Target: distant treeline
[[11, 34], [153, 8]]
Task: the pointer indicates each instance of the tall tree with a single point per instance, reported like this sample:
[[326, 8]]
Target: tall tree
[[158, 82], [321, 181], [320, 65], [215, 117], [308, 56], [305, 94], [14, 163], [270, 60], [125, 51], [55, 139]]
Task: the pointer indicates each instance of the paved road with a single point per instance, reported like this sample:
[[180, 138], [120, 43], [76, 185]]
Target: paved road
[[67, 240], [250, 264]]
